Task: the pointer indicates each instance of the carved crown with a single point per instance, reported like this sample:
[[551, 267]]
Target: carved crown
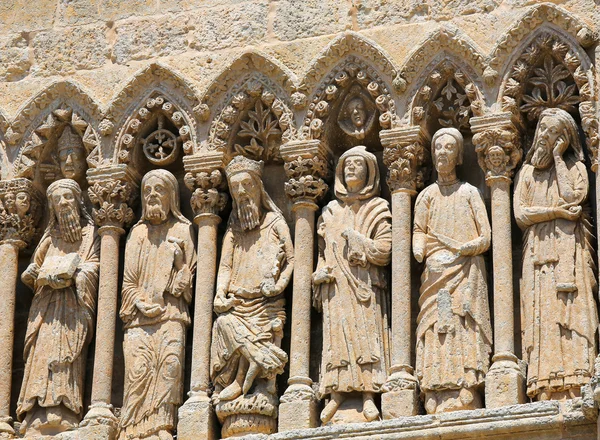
[[242, 164]]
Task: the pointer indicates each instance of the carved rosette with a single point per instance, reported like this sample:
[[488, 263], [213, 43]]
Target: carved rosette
[[497, 143], [20, 211], [405, 155], [112, 198], [206, 198]]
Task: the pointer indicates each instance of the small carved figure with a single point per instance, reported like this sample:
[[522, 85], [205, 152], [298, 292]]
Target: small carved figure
[[350, 286], [72, 155], [256, 265], [64, 276], [454, 334], [157, 290], [558, 284], [357, 115]]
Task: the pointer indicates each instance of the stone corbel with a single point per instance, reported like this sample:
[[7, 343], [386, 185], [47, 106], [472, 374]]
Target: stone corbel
[[112, 191], [405, 155], [20, 211], [306, 166], [205, 178], [497, 143]]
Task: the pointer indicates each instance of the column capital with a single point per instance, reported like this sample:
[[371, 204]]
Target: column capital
[[207, 200], [20, 210], [306, 166], [497, 143], [405, 155], [111, 198]]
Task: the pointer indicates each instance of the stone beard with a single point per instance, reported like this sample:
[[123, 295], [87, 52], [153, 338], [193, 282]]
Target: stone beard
[[454, 334], [558, 285], [64, 276], [157, 290], [256, 265], [350, 287]]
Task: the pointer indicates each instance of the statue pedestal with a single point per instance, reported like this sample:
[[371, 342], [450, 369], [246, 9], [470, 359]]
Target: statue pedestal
[[197, 419], [298, 407], [401, 403], [504, 382]]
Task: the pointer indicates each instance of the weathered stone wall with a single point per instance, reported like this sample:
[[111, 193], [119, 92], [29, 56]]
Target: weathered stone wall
[[105, 58]]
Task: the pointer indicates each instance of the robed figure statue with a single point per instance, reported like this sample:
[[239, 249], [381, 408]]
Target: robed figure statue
[[558, 285], [350, 285]]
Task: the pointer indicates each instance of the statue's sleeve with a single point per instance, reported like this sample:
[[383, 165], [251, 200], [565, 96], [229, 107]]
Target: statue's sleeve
[[420, 224], [320, 243], [225, 266], [131, 290], [580, 183], [482, 243], [86, 276], [285, 238], [29, 275], [378, 249], [183, 279]]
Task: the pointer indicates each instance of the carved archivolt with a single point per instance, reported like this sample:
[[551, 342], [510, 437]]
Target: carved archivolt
[[255, 120], [38, 157], [353, 72], [161, 128], [552, 73]]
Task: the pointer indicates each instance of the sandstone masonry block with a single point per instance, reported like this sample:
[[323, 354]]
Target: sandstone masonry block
[[150, 38], [68, 50], [26, 15], [229, 26], [309, 18], [14, 58], [76, 12]]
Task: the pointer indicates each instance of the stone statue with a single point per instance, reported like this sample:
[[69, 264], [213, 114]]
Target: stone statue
[[454, 334], [558, 286], [157, 290], [64, 276], [357, 114], [256, 265], [72, 155], [350, 285]]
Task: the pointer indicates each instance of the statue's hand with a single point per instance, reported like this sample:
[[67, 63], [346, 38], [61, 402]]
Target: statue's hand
[[571, 213], [269, 288], [323, 275], [58, 283], [178, 260], [223, 303], [149, 310], [560, 147]]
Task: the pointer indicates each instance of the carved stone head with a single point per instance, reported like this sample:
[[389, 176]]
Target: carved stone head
[[357, 175], [357, 114], [71, 155], [447, 149], [160, 197], [66, 206], [556, 130]]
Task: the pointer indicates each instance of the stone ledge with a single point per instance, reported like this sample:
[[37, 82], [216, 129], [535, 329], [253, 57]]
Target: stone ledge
[[532, 421]]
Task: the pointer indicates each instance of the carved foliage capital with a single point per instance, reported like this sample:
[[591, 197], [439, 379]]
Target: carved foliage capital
[[20, 209], [305, 178], [206, 198], [112, 198], [405, 155]]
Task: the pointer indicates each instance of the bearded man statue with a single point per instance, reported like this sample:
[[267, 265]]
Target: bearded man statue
[[558, 284], [256, 265], [157, 290], [64, 277]]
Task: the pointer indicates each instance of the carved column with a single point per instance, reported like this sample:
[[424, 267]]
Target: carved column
[[19, 213], [497, 144], [305, 166], [196, 416], [111, 189], [404, 156]]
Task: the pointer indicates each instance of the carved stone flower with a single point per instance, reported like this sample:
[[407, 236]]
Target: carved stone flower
[[106, 127]]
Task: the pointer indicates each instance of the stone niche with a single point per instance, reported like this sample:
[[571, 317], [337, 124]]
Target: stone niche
[[298, 220]]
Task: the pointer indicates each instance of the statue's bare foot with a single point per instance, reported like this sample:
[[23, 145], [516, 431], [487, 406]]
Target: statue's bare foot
[[231, 392], [430, 403], [331, 408], [164, 435], [370, 411], [54, 416], [251, 374]]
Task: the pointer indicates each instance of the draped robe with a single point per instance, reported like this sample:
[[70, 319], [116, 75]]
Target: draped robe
[[354, 304], [454, 334], [60, 325], [252, 329], [559, 327], [154, 346]]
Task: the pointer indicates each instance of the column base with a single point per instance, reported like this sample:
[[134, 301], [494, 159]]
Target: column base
[[99, 422], [298, 407], [400, 397], [6, 428], [197, 419], [504, 382]]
